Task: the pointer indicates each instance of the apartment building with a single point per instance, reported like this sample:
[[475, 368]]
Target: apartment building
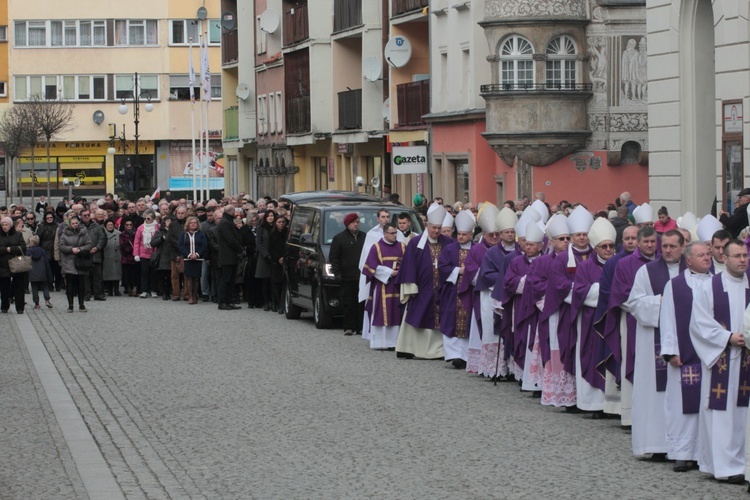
[[88, 53]]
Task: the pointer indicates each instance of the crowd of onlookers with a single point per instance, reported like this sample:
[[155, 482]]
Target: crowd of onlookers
[[145, 248]]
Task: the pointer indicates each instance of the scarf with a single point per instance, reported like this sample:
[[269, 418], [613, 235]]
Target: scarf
[[148, 232]]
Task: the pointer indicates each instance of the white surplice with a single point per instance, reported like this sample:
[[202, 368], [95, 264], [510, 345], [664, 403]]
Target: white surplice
[[588, 397], [721, 434], [681, 429], [649, 431]]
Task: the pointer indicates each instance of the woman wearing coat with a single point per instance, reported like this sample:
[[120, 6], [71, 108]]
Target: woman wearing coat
[[11, 285], [193, 244], [129, 265], [73, 241], [46, 233], [163, 266], [263, 264], [142, 253], [276, 250], [112, 260]]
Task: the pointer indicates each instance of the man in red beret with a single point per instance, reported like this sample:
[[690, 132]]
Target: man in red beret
[[344, 258]]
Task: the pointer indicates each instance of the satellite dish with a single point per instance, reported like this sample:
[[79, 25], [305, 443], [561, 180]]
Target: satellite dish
[[386, 110], [359, 181], [228, 22], [243, 91], [375, 182], [202, 13], [98, 117], [398, 51], [66, 182], [372, 69], [269, 21], [77, 182]]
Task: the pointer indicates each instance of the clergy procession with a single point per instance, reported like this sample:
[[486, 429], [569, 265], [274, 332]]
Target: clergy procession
[[642, 322]]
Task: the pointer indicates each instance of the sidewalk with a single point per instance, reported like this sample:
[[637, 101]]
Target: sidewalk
[[36, 461]]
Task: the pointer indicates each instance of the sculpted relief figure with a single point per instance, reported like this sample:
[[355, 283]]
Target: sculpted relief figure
[[641, 73], [598, 63], [629, 70]]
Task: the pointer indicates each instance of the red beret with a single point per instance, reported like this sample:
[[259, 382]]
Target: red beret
[[350, 218]]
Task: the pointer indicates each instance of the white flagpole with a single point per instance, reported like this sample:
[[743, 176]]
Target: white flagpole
[[206, 79], [200, 107], [191, 82]]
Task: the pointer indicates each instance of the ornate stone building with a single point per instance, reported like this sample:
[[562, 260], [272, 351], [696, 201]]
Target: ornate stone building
[[568, 97]]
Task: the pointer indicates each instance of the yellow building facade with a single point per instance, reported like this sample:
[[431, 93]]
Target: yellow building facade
[[87, 53]]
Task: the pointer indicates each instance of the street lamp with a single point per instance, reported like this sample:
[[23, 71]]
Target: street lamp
[[136, 95]]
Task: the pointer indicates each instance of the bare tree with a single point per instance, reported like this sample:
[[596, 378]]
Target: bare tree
[[14, 133], [50, 118]]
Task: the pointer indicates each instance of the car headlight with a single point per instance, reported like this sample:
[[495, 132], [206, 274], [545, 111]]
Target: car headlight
[[327, 270]]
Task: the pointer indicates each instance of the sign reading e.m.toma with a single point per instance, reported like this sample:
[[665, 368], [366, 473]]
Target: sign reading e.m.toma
[[409, 159]]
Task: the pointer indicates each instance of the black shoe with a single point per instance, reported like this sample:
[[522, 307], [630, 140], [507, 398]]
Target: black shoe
[[459, 364], [404, 355], [206, 298], [680, 466], [736, 479], [100, 298], [572, 409], [82, 308], [536, 394], [166, 297], [117, 293], [658, 457], [266, 307], [225, 307], [348, 333], [598, 415], [70, 309], [233, 307]]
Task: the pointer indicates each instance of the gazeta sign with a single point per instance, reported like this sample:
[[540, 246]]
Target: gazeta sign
[[409, 159]]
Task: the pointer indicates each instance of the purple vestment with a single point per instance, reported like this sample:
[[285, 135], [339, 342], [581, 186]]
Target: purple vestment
[[419, 267], [466, 292], [622, 283], [383, 302], [533, 291], [588, 273], [454, 318], [559, 285], [517, 269]]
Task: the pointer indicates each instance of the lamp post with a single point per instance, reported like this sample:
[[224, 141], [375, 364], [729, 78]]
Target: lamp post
[[136, 95]]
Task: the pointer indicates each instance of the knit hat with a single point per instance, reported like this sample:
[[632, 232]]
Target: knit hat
[[8, 220], [350, 218]]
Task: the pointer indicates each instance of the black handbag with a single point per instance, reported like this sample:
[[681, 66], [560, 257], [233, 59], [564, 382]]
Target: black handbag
[[84, 261], [154, 259]]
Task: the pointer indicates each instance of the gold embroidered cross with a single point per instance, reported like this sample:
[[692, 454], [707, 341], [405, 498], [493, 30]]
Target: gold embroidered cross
[[718, 391], [691, 376]]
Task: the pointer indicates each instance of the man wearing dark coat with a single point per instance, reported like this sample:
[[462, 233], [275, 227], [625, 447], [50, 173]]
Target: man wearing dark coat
[[346, 248], [738, 221], [229, 248]]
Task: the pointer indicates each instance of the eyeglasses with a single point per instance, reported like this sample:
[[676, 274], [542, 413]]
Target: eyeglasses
[[390, 232], [29, 218], [85, 215], [148, 218], [606, 246], [562, 238]]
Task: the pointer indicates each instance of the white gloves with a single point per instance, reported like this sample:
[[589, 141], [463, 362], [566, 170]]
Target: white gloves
[[137, 258]]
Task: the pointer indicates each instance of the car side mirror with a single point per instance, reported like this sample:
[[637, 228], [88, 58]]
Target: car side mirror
[[306, 239]]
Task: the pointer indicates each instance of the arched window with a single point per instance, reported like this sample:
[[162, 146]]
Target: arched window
[[516, 63], [561, 63]]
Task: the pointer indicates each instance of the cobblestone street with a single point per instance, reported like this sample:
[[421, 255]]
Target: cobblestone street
[[190, 402]]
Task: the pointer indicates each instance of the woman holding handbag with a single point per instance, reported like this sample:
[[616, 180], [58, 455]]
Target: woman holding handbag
[[127, 259], [11, 246]]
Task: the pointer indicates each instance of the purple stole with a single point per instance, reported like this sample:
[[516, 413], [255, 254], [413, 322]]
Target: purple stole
[[690, 371], [658, 276], [720, 370]]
